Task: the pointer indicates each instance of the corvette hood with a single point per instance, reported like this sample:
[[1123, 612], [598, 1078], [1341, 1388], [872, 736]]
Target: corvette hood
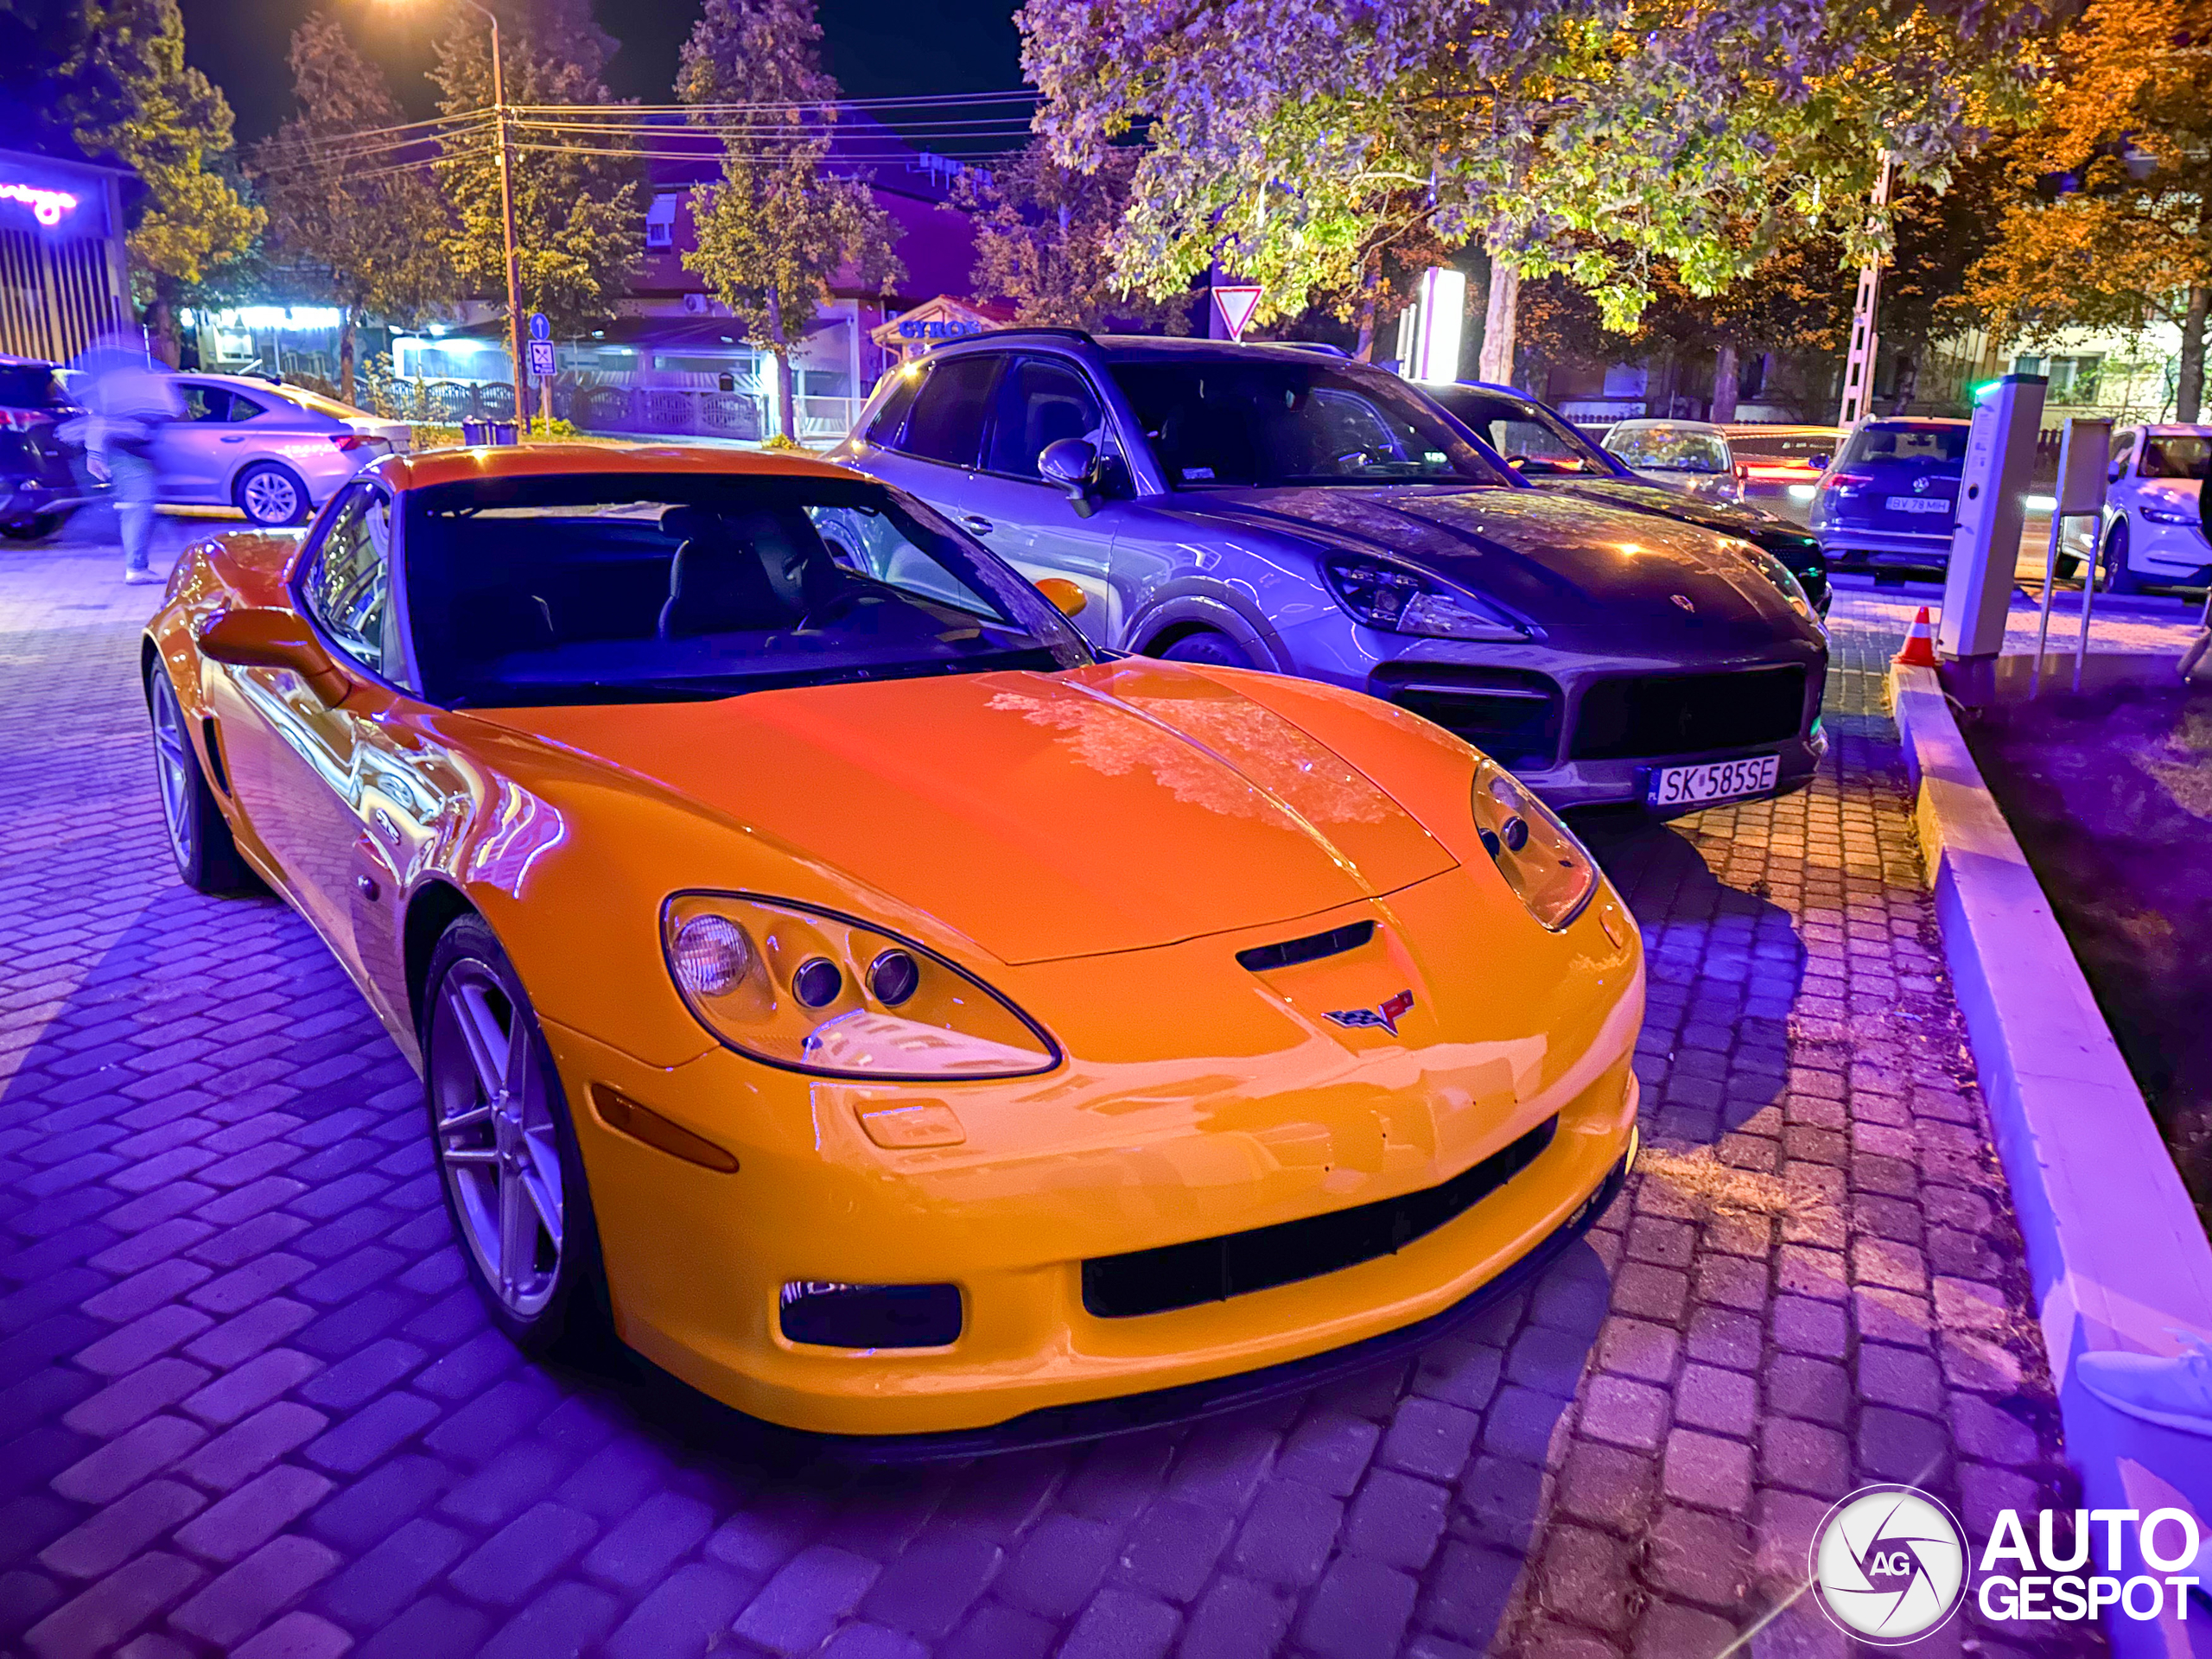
[[1563, 564], [1042, 816]]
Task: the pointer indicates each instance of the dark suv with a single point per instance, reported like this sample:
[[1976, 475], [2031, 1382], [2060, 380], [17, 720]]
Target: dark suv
[[41, 478], [1541, 445], [1270, 507], [1891, 496]]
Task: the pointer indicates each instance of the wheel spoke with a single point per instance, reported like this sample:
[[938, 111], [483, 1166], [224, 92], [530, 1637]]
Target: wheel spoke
[[465, 1119], [479, 1029], [547, 1204], [517, 1231], [482, 1156]]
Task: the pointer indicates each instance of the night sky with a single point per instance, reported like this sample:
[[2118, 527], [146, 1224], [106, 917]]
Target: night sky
[[876, 48]]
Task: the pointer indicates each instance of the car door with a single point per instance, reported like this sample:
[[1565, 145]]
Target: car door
[[935, 452], [297, 764], [1032, 524], [189, 454]]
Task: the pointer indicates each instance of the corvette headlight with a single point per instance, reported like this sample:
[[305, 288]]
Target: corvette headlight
[[1400, 600], [1538, 854], [813, 991]]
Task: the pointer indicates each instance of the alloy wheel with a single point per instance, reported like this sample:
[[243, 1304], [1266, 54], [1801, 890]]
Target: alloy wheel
[[270, 499], [495, 1137], [173, 762]]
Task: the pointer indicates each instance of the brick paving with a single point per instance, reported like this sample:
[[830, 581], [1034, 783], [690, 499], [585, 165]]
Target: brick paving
[[253, 1408]]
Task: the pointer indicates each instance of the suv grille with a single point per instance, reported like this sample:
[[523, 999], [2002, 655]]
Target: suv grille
[[1685, 714], [1511, 715], [1213, 1269]]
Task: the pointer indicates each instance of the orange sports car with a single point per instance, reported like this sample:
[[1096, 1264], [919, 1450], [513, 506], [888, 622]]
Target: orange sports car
[[883, 1011]]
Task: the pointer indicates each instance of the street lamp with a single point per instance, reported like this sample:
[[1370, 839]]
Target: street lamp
[[508, 216]]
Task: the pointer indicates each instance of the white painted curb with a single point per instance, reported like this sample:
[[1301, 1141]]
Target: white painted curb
[[2113, 1245]]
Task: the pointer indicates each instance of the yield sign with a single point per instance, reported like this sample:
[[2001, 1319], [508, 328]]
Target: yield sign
[[1237, 305]]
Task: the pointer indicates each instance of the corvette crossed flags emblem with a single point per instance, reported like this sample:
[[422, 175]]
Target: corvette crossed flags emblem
[[1384, 1013]]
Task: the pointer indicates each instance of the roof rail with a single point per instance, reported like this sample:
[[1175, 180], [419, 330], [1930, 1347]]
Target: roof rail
[[1083, 335]]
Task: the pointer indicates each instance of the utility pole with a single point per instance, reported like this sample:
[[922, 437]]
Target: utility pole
[[1859, 367], [507, 219]]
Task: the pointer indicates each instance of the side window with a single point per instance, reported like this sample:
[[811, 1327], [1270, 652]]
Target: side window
[[347, 584], [1039, 402], [204, 402], [947, 423], [884, 428], [243, 407]]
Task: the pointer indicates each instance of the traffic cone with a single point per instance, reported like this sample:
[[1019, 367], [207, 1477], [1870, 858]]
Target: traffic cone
[[1919, 645]]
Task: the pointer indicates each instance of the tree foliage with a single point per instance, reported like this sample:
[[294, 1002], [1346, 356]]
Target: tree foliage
[[779, 226], [1044, 236], [2109, 228], [344, 216], [126, 93], [579, 225], [1592, 138]]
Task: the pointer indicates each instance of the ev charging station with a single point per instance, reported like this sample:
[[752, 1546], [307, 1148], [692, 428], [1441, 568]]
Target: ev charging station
[[1985, 546]]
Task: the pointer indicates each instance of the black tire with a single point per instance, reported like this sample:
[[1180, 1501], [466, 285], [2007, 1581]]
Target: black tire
[[36, 528], [206, 855], [2119, 579], [566, 1314], [1207, 646], [271, 495]]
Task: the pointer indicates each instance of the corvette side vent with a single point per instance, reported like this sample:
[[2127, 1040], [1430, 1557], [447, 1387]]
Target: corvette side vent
[[1314, 946], [1236, 1264]]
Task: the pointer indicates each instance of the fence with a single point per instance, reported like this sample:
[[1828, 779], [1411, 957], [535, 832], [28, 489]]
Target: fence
[[594, 405]]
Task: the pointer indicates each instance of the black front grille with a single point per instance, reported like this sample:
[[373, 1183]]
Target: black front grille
[[1511, 715], [1688, 714], [1213, 1269]]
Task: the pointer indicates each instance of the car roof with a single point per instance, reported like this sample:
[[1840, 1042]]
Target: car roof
[[1684, 426], [2176, 429], [1129, 348], [1914, 422], [1777, 430], [426, 468]]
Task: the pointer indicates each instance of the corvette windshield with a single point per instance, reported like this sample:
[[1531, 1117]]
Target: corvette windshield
[[669, 587], [1221, 423]]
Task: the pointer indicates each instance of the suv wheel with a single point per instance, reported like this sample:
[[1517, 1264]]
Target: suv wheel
[[1207, 646]]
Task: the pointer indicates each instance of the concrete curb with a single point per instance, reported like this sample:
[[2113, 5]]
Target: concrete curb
[[2113, 1244]]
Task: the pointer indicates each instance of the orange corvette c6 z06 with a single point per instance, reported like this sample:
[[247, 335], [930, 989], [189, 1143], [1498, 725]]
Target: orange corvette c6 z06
[[895, 1018]]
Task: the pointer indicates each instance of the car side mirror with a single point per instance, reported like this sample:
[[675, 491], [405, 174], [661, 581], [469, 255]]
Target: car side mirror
[[1067, 599], [2117, 471], [1073, 465], [263, 637]]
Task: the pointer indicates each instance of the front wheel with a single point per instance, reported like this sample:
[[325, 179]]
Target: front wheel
[[36, 528], [506, 1148], [272, 495], [199, 837], [1207, 646], [2119, 579]]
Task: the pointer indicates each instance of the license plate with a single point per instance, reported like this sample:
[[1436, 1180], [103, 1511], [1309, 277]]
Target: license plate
[[1918, 504], [1718, 780]]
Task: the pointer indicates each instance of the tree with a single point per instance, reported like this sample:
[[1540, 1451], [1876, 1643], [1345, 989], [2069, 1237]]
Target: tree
[[126, 94], [359, 222], [1043, 240], [2123, 238], [778, 227], [1565, 135], [578, 223]]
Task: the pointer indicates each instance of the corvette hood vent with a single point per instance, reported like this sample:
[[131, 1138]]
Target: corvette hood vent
[[1112, 808]]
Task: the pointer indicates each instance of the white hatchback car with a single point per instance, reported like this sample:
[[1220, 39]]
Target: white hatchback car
[[2151, 535]]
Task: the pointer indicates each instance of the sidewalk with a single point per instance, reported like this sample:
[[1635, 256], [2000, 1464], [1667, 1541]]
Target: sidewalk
[[255, 1410]]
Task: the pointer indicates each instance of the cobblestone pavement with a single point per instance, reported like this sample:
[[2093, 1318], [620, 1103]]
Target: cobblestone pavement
[[253, 1408]]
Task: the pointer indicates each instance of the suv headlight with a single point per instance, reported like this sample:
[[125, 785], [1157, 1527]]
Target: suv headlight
[[1537, 854], [1401, 601], [812, 991], [2167, 516]]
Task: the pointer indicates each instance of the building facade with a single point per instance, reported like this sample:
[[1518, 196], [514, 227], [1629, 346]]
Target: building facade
[[64, 278]]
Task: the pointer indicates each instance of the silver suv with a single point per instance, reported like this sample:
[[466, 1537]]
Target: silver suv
[[1278, 508]]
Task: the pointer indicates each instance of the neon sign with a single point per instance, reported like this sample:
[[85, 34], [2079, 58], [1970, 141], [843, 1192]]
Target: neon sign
[[47, 205]]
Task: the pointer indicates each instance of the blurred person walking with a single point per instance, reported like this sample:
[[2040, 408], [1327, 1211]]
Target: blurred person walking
[[128, 398]]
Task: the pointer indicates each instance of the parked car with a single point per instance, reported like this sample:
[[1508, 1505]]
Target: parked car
[[890, 1016], [1890, 497], [1254, 506], [1779, 467], [274, 452], [2150, 533], [1691, 456], [1548, 451], [42, 479]]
